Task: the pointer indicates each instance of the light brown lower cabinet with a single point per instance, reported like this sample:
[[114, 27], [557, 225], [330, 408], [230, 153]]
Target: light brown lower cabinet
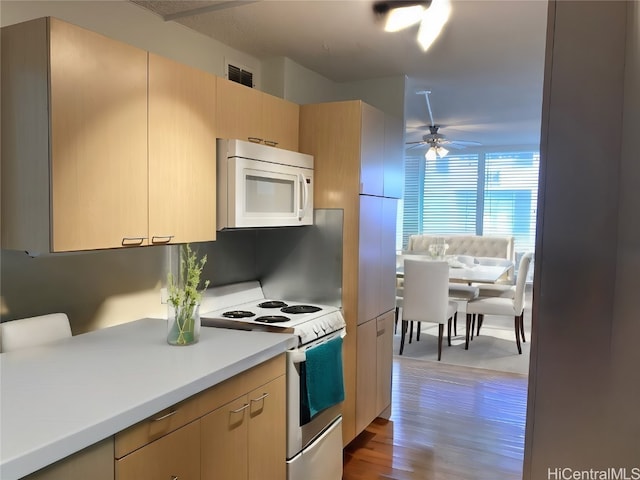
[[94, 462], [232, 431], [245, 439], [172, 457], [373, 369], [384, 361]]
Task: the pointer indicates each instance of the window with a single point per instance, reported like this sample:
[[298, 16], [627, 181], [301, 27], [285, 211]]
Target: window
[[511, 197], [481, 194]]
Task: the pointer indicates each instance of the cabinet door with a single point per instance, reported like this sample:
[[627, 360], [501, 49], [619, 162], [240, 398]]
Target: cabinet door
[[238, 111], [366, 374], [387, 294], [182, 153], [267, 431], [384, 362], [377, 259], [280, 120], [369, 270], [224, 441], [94, 462], [176, 455], [98, 115], [393, 165], [372, 151]]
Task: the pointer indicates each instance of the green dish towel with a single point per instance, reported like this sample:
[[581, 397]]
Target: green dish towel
[[323, 384]]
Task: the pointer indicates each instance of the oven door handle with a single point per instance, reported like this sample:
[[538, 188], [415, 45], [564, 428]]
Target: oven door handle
[[299, 355]]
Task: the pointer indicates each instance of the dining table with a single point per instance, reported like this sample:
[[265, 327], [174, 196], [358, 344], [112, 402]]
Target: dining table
[[469, 273]]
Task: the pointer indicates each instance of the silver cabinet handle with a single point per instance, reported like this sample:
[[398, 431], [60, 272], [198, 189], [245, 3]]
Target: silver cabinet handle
[[271, 143], [161, 238], [173, 477], [254, 139], [261, 397], [244, 407], [132, 241], [172, 412]]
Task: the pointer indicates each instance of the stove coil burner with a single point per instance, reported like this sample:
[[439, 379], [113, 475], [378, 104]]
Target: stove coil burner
[[272, 304], [272, 319], [300, 309], [238, 314]]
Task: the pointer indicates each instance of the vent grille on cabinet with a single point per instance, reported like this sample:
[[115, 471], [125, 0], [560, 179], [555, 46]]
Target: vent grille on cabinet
[[239, 75]]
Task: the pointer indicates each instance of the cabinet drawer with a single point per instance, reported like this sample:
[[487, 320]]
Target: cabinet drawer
[[152, 428], [242, 383], [176, 455]]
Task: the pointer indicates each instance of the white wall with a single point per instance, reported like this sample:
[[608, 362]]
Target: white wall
[[127, 22], [624, 391], [583, 385], [386, 93]]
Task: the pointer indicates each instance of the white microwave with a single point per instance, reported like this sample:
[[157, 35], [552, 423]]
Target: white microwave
[[262, 186]]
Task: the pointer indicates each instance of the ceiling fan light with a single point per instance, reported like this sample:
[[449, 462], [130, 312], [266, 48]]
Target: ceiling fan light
[[433, 19], [431, 154], [400, 18], [442, 152]]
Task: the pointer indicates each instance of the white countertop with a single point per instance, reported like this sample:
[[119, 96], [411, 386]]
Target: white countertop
[[58, 399]]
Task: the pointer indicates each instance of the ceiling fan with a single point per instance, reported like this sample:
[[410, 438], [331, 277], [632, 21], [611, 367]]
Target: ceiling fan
[[435, 140]]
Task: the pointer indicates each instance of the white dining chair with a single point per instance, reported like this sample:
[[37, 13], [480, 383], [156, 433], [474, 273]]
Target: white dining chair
[[503, 305], [426, 298], [33, 331]]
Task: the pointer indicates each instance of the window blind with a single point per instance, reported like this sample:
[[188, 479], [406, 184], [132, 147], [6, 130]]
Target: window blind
[[481, 194], [410, 217], [450, 197]]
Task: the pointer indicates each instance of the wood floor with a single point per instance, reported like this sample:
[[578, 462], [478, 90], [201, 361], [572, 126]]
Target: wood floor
[[447, 423]]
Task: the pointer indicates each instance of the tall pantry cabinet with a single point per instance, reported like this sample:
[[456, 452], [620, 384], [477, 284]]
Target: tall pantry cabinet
[[358, 168]]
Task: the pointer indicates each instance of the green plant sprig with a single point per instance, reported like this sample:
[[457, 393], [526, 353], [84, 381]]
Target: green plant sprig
[[183, 292]]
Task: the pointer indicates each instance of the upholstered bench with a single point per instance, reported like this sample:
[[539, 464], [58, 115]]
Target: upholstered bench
[[486, 250], [472, 245]]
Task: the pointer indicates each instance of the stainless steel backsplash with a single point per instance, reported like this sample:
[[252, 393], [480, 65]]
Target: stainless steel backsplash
[[296, 263]]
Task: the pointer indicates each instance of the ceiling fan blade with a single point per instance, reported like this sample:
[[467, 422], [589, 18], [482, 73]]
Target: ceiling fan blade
[[464, 143], [415, 144]]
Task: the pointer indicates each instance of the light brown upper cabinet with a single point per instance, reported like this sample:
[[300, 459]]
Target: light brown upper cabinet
[[82, 167], [182, 153], [249, 114], [393, 166], [372, 151], [74, 131]]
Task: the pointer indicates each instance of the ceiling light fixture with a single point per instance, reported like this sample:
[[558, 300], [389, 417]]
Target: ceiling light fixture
[[435, 151], [431, 14], [401, 18], [433, 20]]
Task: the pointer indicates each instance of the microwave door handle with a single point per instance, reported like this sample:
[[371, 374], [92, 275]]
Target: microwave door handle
[[305, 196]]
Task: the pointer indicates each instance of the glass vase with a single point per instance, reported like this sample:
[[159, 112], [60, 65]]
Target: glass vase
[[183, 324]]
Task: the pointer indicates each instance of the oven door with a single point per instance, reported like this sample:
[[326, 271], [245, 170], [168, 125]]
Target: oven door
[[322, 459], [311, 437], [265, 194]]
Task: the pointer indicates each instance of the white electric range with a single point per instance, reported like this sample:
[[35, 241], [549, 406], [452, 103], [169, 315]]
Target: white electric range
[[243, 306]]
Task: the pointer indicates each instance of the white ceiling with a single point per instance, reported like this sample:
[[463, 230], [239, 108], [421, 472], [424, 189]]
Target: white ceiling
[[485, 71]]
